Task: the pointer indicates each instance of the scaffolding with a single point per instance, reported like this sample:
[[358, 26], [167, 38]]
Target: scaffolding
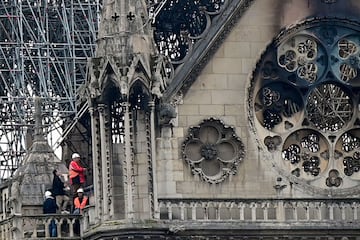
[[44, 47]]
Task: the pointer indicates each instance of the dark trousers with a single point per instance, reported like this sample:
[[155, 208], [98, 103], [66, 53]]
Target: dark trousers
[[52, 229]]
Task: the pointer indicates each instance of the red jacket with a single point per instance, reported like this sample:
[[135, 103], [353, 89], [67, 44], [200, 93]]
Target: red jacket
[[74, 170]]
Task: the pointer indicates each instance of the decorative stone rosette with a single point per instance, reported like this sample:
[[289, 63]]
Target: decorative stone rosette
[[213, 150]]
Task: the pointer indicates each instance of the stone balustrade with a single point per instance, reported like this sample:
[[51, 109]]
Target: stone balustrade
[[37, 226], [261, 210], [6, 229], [300, 213]]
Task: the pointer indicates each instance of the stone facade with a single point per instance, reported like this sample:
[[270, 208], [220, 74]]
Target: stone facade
[[181, 146], [209, 159]]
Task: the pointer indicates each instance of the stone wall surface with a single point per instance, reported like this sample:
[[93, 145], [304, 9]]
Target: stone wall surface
[[220, 91]]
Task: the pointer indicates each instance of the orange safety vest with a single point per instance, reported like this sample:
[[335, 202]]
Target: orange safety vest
[[82, 204]]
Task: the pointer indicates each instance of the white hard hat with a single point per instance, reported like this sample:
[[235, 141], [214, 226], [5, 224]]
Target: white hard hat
[[75, 155], [80, 190], [48, 194]]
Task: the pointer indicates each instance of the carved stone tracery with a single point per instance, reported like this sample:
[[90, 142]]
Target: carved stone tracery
[[181, 23], [213, 150], [204, 47], [303, 100]]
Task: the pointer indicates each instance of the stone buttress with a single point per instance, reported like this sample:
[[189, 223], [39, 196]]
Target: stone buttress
[[125, 81]]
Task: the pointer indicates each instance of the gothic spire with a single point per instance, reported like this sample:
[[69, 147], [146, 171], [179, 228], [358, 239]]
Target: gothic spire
[[125, 51], [35, 174], [124, 23]]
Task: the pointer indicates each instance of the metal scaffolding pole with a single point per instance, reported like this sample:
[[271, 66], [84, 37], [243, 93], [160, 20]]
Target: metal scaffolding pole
[[44, 46]]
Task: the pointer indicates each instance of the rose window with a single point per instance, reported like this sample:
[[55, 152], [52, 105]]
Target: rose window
[[307, 153], [301, 56], [329, 107], [277, 102], [212, 150], [304, 106], [347, 64]]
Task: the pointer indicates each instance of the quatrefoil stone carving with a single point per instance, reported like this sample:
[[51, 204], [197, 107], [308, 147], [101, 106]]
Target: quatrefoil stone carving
[[213, 150]]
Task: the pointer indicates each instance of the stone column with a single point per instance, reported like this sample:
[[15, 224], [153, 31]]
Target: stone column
[[156, 213], [95, 157], [128, 163], [104, 163]]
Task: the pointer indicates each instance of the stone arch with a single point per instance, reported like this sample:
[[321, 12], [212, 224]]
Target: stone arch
[[139, 95]]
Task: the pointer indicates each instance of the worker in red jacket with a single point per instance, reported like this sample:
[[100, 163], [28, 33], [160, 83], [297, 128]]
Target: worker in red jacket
[[76, 173]]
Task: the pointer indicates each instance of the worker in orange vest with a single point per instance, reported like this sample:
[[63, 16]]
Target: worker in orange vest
[[80, 201], [76, 173]]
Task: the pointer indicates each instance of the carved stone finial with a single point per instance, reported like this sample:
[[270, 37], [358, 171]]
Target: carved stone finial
[[166, 113], [38, 120], [159, 82], [15, 199]]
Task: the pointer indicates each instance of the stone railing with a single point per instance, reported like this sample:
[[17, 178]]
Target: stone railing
[[6, 229], [37, 226], [262, 210], [296, 213], [89, 217]]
